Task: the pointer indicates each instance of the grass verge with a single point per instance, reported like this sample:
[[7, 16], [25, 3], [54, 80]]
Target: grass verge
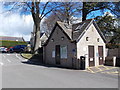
[[26, 55]]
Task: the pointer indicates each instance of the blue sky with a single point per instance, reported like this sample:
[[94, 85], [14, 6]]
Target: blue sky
[[15, 24]]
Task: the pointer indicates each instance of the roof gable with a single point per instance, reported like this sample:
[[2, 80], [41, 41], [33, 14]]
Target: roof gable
[[76, 31], [61, 28], [86, 28], [67, 29], [99, 31], [79, 30]]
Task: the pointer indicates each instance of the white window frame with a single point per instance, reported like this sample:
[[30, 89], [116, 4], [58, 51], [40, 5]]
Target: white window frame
[[63, 52], [53, 54]]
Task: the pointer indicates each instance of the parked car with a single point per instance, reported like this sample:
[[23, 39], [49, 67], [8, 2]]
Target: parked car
[[3, 49], [18, 48], [9, 49]]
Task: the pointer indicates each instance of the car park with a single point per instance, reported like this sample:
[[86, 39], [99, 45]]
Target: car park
[[18, 48], [3, 49]]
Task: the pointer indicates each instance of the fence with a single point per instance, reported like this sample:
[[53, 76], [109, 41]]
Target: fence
[[110, 57]]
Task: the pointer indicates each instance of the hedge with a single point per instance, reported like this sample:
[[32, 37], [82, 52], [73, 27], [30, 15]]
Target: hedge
[[7, 43], [112, 46]]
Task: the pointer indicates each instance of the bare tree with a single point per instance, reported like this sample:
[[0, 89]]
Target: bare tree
[[50, 22], [65, 12], [38, 10]]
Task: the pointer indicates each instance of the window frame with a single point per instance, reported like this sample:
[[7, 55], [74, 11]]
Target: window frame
[[63, 52]]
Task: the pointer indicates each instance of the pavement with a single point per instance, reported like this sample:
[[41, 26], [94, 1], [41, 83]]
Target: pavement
[[17, 74]]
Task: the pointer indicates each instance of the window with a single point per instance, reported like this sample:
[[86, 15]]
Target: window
[[63, 51], [87, 38], [92, 29], [52, 40], [53, 53], [62, 38], [98, 40]]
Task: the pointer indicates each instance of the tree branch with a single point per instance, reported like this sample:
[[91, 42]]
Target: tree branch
[[44, 9], [46, 13], [97, 9], [33, 12], [28, 5]]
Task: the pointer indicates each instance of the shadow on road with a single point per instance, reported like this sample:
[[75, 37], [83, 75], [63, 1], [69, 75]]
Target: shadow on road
[[38, 63]]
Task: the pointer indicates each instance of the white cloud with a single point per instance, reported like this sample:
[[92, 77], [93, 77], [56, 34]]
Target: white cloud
[[13, 24]]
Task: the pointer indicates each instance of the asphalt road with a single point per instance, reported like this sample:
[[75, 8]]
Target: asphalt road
[[16, 74]]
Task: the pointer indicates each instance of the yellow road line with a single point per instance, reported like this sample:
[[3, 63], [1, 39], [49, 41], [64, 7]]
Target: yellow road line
[[106, 67], [90, 70], [115, 73], [99, 69], [99, 66]]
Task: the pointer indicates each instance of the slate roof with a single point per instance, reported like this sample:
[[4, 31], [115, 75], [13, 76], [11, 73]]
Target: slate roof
[[75, 31], [67, 28], [11, 38], [79, 28]]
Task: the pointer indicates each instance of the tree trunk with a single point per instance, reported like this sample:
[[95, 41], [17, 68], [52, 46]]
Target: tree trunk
[[37, 42], [35, 14]]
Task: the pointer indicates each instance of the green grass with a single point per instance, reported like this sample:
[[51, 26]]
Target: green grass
[[11, 43]]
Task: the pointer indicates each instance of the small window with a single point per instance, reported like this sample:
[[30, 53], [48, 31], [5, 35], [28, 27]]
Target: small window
[[53, 53], [87, 38], [92, 29], [52, 40], [62, 38], [98, 39], [63, 51]]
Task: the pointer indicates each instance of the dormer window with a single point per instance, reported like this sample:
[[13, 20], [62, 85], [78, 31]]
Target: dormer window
[[87, 38]]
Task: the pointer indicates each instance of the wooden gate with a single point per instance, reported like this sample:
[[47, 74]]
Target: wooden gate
[[91, 56]]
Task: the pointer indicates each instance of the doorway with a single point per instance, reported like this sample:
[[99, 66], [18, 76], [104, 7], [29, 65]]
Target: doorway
[[91, 56], [100, 52], [57, 54]]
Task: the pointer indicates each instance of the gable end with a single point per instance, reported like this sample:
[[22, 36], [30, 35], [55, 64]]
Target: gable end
[[53, 32]]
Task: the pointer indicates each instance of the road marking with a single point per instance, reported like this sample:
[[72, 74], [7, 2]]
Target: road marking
[[18, 57], [3, 56], [8, 54], [8, 60], [1, 63], [22, 59], [90, 70], [99, 69], [113, 73]]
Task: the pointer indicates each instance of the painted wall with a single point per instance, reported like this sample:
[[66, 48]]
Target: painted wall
[[82, 45], [58, 41]]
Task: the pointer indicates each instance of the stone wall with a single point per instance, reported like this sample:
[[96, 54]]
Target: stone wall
[[113, 52]]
